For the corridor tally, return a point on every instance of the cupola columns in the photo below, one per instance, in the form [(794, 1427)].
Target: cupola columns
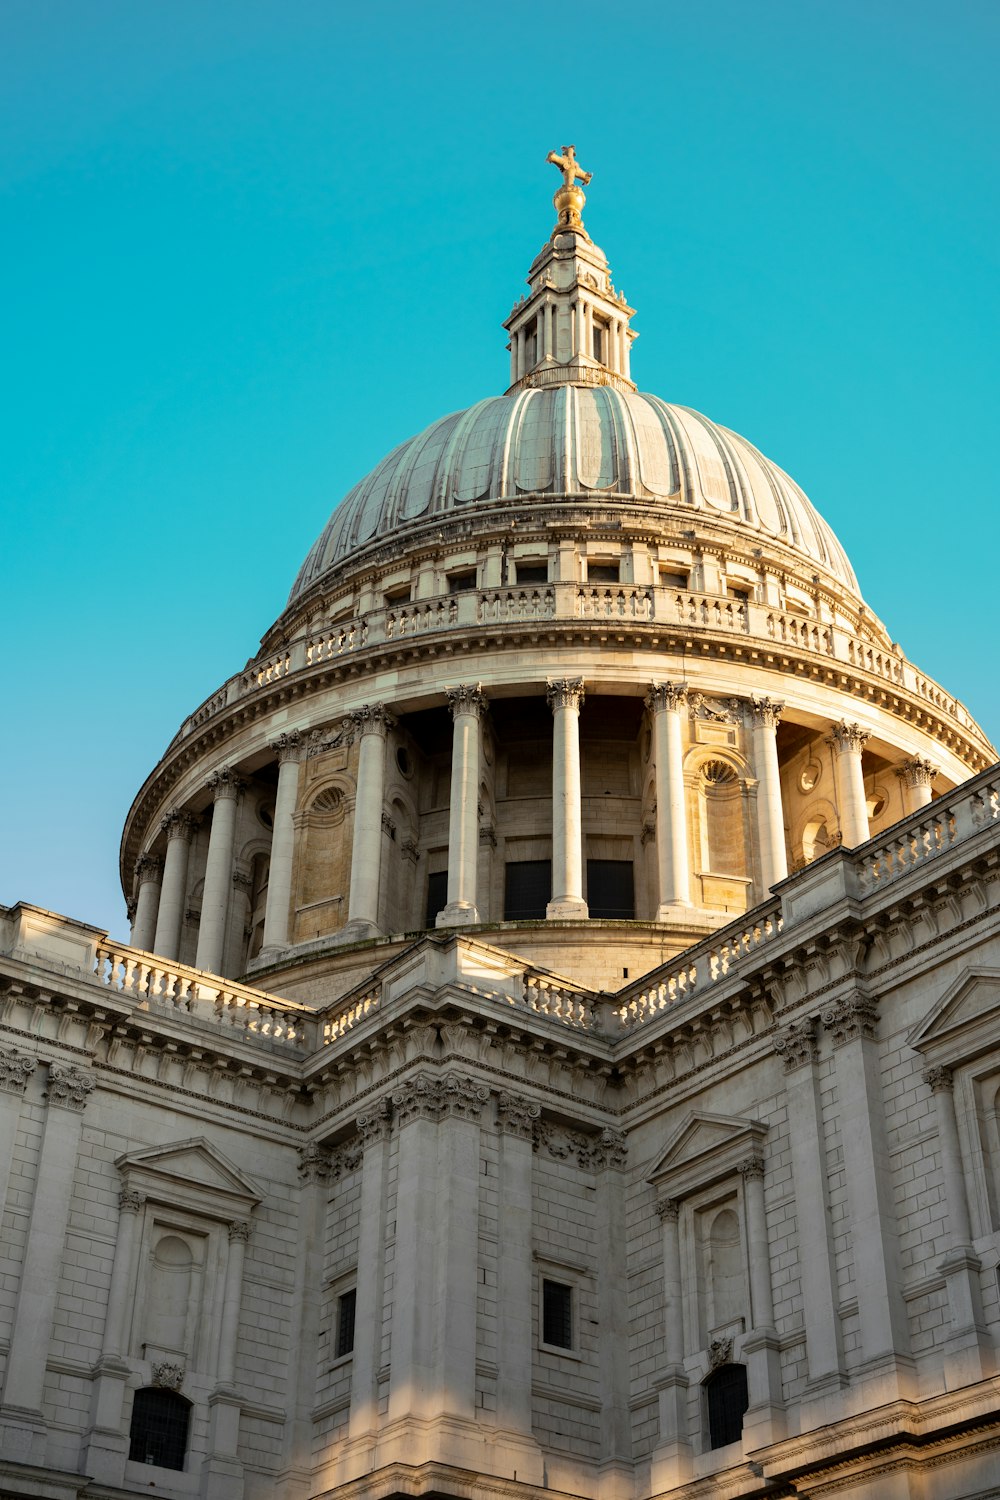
[(179, 828), (917, 777), (372, 723), (149, 874), (565, 698), (770, 818), (848, 741), (288, 748), (225, 786), (665, 702), (467, 706)]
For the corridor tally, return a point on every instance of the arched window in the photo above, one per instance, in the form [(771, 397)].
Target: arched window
[(728, 1398), (159, 1431)]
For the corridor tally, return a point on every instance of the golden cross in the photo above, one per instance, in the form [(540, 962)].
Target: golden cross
[(569, 167)]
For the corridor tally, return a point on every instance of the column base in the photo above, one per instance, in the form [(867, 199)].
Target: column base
[(23, 1436), (569, 908), (457, 914), (357, 931)]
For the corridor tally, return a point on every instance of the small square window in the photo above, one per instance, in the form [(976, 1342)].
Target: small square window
[(346, 1306), (671, 580), (557, 1314), (398, 595), (599, 572), (532, 572), (458, 583)]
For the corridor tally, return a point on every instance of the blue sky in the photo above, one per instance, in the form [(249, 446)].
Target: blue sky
[(248, 247)]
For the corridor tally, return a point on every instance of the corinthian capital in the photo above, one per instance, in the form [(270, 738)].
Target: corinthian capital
[(666, 695), (288, 746), (68, 1087), (370, 718), (848, 737), (851, 1017), (148, 867), (566, 692), (516, 1116), (178, 825), (467, 698), (765, 713), (796, 1044), (916, 772), (15, 1069), (224, 784)]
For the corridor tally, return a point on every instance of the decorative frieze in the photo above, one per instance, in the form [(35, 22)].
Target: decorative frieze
[(168, 1375), (666, 695), (15, 1069), (717, 711), (850, 1017), (314, 1163), (939, 1080), (566, 692), (467, 698), (796, 1045), (517, 1116), (70, 1088), (609, 1149), (427, 1098)]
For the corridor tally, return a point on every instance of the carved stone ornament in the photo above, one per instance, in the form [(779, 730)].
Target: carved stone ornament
[(239, 1229), (939, 1080), (224, 784), (648, 834), (765, 713), (488, 836), (668, 1210), (130, 1200), (848, 737), (388, 826), (467, 698), (68, 1087), (243, 882), (720, 1352), (609, 1149), (373, 1124), (427, 1098), (167, 1375), (408, 849), (664, 695), (370, 718), (719, 712), (591, 1152), (850, 1017), (796, 1043), (15, 1069), (566, 692), (148, 867), (314, 1163), (516, 1116), (751, 1168), (463, 1096), (321, 740), (916, 772), (177, 824), (288, 746)]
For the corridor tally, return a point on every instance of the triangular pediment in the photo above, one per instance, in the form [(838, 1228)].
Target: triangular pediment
[(188, 1170), (965, 1020), (704, 1147)]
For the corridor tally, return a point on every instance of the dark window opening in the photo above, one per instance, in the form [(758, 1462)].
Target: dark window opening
[(346, 1305), (159, 1431), (437, 895), (399, 595), (527, 886), (728, 1399), (601, 332), (532, 573), (603, 572), (673, 580), (611, 889), (557, 1314), (459, 582)]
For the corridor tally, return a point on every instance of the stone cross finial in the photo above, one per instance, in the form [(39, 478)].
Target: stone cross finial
[(569, 167)]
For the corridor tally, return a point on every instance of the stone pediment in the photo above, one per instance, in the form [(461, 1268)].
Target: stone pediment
[(193, 1174), (705, 1148), (965, 1021)]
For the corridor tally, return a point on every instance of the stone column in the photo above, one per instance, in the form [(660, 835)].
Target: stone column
[(671, 1464), (885, 1337), (764, 1419), (130, 1204), (825, 1371), (917, 777), (969, 1355), (665, 702), (849, 740), (372, 723), (516, 1118), (178, 827), (467, 706), (149, 874), (373, 1130), (22, 1425), (288, 748), (106, 1447), (225, 786), (222, 1471), (565, 698), (770, 818), (315, 1169)]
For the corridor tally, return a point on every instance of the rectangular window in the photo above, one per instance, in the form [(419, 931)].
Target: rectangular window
[(459, 582), (601, 343), (598, 572), (557, 1314), (670, 580), (398, 595), (527, 887), (437, 895), (346, 1305), (532, 573), (611, 890)]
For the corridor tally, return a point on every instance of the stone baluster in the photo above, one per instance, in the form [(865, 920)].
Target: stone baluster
[(770, 817), (225, 787), (179, 828), (372, 723), (516, 1119), (849, 741), (149, 875), (665, 702), (917, 777), (277, 911), (565, 698), (467, 706)]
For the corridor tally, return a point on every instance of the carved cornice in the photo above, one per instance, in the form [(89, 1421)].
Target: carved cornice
[(796, 1045), (765, 713), (851, 1017), (939, 1080), (370, 718), (517, 1116), (288, 746), (565, 692), (148, 867), (130, 1200), (224, 784), (467, 698), (848, 738), (178, 825), (662, 696), (15, 1069), (916, 773), (70, 1088)]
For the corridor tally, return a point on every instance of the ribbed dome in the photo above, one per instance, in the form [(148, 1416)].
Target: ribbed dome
[(595, 443)]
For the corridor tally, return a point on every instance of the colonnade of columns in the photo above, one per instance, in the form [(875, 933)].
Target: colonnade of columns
[(162, 883)]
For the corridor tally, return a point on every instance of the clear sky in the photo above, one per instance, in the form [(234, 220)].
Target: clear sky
[(248, 246)]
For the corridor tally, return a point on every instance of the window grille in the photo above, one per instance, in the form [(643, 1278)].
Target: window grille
[(527, 885), (611, 889), (557, 1314), (159, 1431), (346, 1305), (728, 1399)]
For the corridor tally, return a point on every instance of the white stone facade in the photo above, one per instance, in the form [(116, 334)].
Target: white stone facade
[(559, 1050)]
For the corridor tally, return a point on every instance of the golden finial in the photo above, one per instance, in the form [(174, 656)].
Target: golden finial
[(569, 199)]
